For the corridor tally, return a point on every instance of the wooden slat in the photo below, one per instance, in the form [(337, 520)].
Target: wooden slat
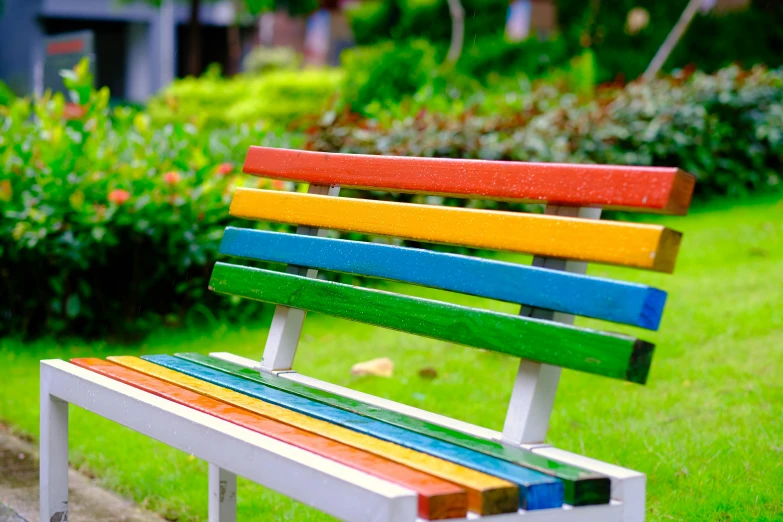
[(577, 294), (611, 355), (643, 246), (581, 487), (438, 499), (487, 494), (536, 490), (651, 189)]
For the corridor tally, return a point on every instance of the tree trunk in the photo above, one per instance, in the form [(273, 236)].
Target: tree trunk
[(234, 43), (457, 30), (194, 42), (672, 40)]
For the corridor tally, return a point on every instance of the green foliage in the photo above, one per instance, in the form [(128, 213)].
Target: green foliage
[(278, 97), (750, 37), (725, 128), (266, 59), (712, 42), (6, 94), (386, 73), (389, 80), (493, 55), (110, 222), (370, 20), (377, 20)]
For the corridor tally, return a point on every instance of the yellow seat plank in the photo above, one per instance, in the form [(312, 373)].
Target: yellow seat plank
[(650, 247)]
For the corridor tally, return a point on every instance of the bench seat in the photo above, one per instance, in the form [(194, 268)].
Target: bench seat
[(199, 425)]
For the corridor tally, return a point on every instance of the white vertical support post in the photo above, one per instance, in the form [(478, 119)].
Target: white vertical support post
[(222, 495), (53, 456), (535, 386), (163, 46), (287, 322), (138, 82)]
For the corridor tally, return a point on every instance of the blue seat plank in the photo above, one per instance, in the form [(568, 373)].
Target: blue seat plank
[(616, 301), (536, 490)]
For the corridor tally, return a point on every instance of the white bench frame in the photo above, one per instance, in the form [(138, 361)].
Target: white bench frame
[(231, 450)]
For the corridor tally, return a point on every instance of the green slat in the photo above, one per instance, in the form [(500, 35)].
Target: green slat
[(611, 355), (581, 487)]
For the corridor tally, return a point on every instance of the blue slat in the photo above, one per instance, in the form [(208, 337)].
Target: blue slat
[(617, 301), (536, 490)]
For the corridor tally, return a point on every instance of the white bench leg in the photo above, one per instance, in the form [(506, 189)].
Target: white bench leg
[(54, 457), (222, 495)]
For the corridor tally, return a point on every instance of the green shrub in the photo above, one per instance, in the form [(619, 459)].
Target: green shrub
[(6, 94), (386, 73), (266, 59), (710, 43), (371, 20), (374, 21), (277, 97), (111, 224), (494, 55)]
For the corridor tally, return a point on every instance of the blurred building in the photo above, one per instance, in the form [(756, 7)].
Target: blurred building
[(137, 48), (320, 37), (530, 18)]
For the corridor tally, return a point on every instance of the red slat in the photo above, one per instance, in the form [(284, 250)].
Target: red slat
[(651, 189)]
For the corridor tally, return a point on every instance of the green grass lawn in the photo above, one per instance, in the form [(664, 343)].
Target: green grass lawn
[(707, 429)]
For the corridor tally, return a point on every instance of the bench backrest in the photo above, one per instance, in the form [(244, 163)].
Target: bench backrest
[(551, 290)]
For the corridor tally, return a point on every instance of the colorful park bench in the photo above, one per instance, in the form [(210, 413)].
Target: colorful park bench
[(363, 458)]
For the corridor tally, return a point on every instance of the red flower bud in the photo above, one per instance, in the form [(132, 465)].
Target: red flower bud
[(73, 111), (172, 178), (225, 169), (119, 196)]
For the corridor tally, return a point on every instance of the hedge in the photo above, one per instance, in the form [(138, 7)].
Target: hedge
[(110, 225)]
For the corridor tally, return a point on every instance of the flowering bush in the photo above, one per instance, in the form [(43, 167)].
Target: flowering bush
[(108, 222)]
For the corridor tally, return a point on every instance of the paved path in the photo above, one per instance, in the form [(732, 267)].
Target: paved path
[(19, 490), (9, 515)]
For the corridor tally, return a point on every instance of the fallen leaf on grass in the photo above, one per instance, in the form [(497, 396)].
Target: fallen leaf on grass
[(382, 367), (428, 373)]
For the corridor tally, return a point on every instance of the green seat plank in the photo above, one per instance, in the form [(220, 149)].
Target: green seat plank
[(608, 354), (581, 487)]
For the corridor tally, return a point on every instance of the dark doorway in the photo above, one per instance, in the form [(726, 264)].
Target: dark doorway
[(214, 48)]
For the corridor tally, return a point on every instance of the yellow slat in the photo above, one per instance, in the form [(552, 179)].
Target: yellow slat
[(486, 494), (651, 247)]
